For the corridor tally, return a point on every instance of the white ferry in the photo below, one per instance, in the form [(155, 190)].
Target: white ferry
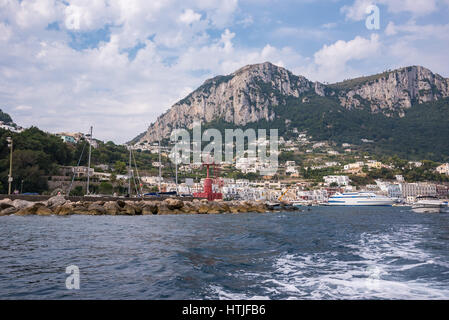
[(359, 199)]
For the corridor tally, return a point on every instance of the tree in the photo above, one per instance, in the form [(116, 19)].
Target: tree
[(105, 188), (120, 167), (77, 191)]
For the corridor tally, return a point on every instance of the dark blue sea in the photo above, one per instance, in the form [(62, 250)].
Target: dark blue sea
[(324, 253)]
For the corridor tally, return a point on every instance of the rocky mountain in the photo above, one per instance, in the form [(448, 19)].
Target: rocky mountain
[(261, 92), (393, 92), (5, 118)]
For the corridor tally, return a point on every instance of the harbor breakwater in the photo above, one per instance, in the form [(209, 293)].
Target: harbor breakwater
[(60, 205)]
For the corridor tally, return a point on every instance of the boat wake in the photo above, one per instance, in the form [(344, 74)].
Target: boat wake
[(377, 266)]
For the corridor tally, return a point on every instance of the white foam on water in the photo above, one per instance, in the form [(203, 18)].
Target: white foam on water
[(222, 294), (377, 275)]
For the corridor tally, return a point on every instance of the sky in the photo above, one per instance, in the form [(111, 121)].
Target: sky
[(119, 64)]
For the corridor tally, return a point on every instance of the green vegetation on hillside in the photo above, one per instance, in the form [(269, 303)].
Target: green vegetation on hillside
[(353, 83), (422, 134), (37, 155)]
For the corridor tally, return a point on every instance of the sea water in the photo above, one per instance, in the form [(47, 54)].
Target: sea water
[(320, 253)]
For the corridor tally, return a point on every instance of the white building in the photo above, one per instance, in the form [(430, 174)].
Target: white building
[(340, 180), (82, 171), (152, 180), (319, 145), (443, 169), (415, 164), (10, 128), (291, 170), (356, 165), (157, 164), (418, 189)]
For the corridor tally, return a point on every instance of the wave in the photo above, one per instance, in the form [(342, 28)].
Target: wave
[(377, 266)]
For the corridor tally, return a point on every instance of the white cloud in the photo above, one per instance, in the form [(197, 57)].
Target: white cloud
[(330, 25), (414, 31), (189, 16), (414, 44), (66, 89), (331, 61), (246, 22), (357, 11), (182, 43), (299, 33), (23, 108), (5, 32)]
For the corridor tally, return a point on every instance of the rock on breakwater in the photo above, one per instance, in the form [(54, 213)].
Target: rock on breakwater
[(59, 205)]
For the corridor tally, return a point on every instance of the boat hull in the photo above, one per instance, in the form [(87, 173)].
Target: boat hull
[(430, 209), (360, 200), (426, 209), (365, 204)]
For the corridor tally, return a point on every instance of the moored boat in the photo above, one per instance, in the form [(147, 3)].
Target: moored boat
[(359, 199), (430, 204)]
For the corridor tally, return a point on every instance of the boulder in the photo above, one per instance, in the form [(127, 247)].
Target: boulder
[(56, 201), (65, 209), (261, 208), (96, 209), (21, 204), (43, 211), (150, 208), (173, 204), (33, 209), (112, 208), (189, 208), (234, 208), (8, 211), (255, 206), (138, 207), (121, 203), (128, 210), (81, 210), (163, 209), (242, 207), (203, 208), (5, 205), (5, 202), (214, 208), (224, 207)]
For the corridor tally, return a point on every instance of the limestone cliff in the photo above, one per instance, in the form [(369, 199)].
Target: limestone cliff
[(252, 93), (393, 92)]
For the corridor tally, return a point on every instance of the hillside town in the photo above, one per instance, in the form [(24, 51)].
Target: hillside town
[(301, 181)]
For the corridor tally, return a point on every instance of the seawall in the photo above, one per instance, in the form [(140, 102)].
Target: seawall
[(60, 205)]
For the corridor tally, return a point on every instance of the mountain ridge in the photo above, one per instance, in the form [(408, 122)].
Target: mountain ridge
[(253, 93)]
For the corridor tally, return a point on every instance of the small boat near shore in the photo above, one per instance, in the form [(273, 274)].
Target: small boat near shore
[(430, 204), (301, 203), (359, 199)]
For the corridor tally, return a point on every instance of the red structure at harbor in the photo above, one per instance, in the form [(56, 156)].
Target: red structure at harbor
[(208, 192)]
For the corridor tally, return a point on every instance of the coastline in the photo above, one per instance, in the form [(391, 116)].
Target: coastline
[(62, 206)]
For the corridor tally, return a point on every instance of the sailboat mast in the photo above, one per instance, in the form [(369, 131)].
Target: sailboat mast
[(160, 166), (176, 166), (88, 164), (129, 173)]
